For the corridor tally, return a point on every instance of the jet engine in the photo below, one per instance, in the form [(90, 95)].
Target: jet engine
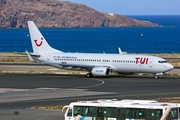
[(101, 71)]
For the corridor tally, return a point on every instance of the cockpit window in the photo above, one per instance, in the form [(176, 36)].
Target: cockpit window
[(162, 61)]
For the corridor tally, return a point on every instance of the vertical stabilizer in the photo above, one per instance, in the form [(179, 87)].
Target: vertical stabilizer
[(39, 43)]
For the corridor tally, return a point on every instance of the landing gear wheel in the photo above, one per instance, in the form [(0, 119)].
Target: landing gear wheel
[(157, 77), (89, 75)]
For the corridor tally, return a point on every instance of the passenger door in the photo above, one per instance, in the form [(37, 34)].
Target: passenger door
[(150, 63)]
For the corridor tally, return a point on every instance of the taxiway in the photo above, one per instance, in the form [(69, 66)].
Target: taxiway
[(19, 92)]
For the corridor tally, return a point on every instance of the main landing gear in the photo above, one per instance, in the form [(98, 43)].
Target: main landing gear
[(89, 75), (157, 77)]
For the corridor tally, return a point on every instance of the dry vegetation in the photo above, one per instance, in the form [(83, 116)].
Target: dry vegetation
[(47, 107), (13, 57), (172, 58), (173, 99), (165, 55)]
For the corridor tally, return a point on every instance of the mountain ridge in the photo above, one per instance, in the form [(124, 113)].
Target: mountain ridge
[(60, 14)]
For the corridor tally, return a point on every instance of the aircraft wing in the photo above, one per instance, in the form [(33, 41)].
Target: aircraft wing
[(86, 67)]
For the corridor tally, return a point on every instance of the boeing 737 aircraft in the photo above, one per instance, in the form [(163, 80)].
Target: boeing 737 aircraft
[(94, 64)]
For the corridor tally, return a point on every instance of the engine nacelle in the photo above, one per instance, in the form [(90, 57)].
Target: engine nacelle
[(101, 71)]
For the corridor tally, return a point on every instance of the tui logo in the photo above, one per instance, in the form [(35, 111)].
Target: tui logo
[(38, 44), (142, 60)]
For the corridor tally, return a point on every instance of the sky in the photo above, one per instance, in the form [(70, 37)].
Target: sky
[(134, 7)]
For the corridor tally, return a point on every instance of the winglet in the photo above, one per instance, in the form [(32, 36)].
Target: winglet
[(29, 56), (120, 51)]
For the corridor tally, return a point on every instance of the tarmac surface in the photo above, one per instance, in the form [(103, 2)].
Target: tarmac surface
[(28, 114), (19, 92)]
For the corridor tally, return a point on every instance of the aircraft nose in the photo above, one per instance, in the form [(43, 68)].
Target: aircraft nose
[(169, 66)]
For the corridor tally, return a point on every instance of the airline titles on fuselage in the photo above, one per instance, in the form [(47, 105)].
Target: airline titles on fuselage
[(142, 60), (64, 57)]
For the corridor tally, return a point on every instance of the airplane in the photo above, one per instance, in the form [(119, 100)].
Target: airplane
[(95, 64)]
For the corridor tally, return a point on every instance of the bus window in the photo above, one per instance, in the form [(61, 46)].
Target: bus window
[(129, 113), (158, 114), (78, 110), (179, 113), (111, 112), (121, 114), (153, 114), (100, 113), (173, 114), (84, 110), (141, 113), (89, 111), (105, 113), (135, 113)]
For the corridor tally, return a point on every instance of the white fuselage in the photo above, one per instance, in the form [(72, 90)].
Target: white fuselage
[(123, 63)]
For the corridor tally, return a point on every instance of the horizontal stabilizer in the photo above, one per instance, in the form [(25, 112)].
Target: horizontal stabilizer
[(30, 57), (34, 55)]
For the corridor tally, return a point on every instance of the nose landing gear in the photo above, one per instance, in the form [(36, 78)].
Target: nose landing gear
[(158, 74)]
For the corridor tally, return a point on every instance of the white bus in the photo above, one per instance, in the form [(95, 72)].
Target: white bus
[(122, 110)]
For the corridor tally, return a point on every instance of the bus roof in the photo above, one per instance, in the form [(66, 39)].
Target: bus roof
[(126, 103)]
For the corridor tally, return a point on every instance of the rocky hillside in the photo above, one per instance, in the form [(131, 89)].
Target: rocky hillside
[(55, 13)]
